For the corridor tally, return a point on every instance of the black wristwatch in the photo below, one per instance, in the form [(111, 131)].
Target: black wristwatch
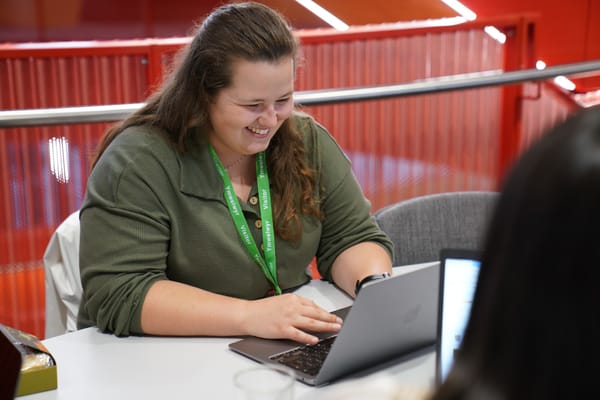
[(369, 278)]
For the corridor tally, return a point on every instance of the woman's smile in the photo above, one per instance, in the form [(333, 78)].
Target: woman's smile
[(258, 131)]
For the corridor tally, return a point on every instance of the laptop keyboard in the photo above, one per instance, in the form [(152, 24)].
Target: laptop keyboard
[(307, 359)]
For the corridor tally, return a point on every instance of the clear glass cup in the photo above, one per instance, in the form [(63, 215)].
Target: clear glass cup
[(265, 382)]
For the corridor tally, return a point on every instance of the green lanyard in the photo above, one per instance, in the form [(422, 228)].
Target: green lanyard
[(268, 263)]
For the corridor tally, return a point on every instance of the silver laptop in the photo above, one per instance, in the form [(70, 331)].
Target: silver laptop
[(388, 319), (459, 271)]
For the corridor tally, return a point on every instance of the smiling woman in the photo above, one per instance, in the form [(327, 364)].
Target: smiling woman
[(217, 194), (246, 115)]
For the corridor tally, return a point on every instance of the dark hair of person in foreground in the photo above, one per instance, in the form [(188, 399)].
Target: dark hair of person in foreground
[(534, 326)]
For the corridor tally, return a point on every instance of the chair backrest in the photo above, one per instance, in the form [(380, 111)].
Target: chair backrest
[(420, 227), (63, 282)]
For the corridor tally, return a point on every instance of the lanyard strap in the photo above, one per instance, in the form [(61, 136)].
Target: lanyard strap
[(268, 264)]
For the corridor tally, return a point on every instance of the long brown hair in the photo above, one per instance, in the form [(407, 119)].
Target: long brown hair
[(248, 31)]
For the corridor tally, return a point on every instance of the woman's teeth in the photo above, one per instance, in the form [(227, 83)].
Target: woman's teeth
[(259, 131)]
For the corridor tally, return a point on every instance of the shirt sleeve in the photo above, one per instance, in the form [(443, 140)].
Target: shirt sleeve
[(347, 218), (124, 234)]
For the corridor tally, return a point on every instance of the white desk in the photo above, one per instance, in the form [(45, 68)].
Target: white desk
[(93, 365)]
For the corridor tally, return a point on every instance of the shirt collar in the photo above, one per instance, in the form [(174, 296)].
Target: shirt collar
[(199, 176)]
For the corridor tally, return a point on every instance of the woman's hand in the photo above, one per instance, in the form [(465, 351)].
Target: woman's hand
[(288, 316)]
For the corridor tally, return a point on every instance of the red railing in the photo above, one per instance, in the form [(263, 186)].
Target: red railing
[(400, 148)]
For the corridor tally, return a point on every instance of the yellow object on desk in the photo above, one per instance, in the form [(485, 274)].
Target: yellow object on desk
[(38, 367)]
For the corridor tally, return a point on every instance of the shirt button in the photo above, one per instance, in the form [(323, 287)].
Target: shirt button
[(253, 200), (258, 223)]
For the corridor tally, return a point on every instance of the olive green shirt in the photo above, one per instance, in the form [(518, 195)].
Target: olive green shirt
[(151, 213)]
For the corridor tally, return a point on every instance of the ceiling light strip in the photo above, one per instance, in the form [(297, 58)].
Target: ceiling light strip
[(495, 34), (460, 8), (324, 15)]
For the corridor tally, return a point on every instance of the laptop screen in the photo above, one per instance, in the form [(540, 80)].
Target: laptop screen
[(459, 270)]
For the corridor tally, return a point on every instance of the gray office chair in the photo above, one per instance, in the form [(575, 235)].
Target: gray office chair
[(420, 227)]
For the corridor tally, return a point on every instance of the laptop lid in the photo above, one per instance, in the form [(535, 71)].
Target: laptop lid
[(459, 271), (389, 318)]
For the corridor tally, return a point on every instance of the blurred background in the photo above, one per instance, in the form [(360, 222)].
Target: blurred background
[(565, 31)]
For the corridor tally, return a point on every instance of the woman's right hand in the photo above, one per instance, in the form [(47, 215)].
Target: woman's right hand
[(288, 316)]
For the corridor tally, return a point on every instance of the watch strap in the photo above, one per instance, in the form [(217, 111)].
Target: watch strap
[(369, 278)]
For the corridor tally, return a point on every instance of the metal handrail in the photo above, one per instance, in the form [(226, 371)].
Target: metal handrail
[(107, 113)]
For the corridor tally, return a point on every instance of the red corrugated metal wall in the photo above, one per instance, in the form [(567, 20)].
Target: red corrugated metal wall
[(400, 147), (41, 183), (421, 144), (544, 104)]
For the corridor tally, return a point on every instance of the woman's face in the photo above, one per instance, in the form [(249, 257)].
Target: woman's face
[(247, 114)]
